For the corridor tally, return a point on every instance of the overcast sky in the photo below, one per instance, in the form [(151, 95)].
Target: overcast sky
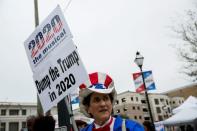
[(107, 33)]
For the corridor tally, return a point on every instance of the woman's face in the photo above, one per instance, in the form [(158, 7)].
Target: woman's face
[(100, 107)]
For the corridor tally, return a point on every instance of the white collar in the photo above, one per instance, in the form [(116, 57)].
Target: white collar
[(98, 126)]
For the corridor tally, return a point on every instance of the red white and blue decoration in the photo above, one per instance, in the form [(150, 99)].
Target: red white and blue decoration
[(148, 77), (75, 100), (98, 82)]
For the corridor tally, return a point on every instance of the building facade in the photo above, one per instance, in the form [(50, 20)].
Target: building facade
[(134, 106), (128, 104), (176, 101), (160, 106), (13, 115)]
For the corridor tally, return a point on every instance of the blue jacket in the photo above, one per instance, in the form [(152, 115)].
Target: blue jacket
[(130, 125)]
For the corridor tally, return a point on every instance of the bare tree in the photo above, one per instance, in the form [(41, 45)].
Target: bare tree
[(187, 49)]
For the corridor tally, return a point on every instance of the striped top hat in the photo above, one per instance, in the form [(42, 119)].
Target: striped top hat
[(97, 82)]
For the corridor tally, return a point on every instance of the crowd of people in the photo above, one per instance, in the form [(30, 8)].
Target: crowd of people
[(97, 97)]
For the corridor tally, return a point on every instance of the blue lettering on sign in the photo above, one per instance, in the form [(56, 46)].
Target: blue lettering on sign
[(44, 36)]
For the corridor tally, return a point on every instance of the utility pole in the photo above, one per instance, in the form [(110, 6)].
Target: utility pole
[(36, 13), (39, 107), (65, 115)]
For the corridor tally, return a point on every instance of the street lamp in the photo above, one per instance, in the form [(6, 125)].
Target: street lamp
[(139, 61)]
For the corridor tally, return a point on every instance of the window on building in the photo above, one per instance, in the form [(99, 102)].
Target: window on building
[(156, 101), (136, 98), (138, 108), (117, 102), (145, 110), (146, 118), (13, 112), (167, 102), (23, 124), (162, 100), (160, 117), (140, 117), (169, 110), (117, 111), (131, 98), (135, 117), (3, 112), (143, 101), (3, 126), (13, 126), (166, 115), (123, 100), (133, 107), (173, 102), (24, 112), (158, 109), (125, 109)]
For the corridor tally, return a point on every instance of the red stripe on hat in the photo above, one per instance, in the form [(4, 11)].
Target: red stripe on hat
[(94, 78), (82, 86), (108, 80)]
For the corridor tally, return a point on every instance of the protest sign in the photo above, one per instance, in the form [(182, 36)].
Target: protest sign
[(54, 60), (59, 75), (52, 31)]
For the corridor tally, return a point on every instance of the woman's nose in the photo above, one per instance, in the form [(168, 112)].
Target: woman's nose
[(102, 102)]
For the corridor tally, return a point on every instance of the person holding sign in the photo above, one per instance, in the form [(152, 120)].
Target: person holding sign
[(97, 97)]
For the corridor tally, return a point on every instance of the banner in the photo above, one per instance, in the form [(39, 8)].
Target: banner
[(138, 81)]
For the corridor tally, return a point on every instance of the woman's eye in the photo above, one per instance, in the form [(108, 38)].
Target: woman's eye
[(97, 99), (106, 98)]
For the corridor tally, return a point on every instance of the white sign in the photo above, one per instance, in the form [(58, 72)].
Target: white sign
[(46, 37), (55, 62), (59, 75)]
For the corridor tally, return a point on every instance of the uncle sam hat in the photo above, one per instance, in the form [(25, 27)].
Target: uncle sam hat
[(99, 83)]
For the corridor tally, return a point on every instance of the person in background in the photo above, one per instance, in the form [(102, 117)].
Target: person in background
[(44, 123), (80, 124), (97, 97), (182, 127), (195, 124), (148, 126), (189, 128), (30, 120)]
